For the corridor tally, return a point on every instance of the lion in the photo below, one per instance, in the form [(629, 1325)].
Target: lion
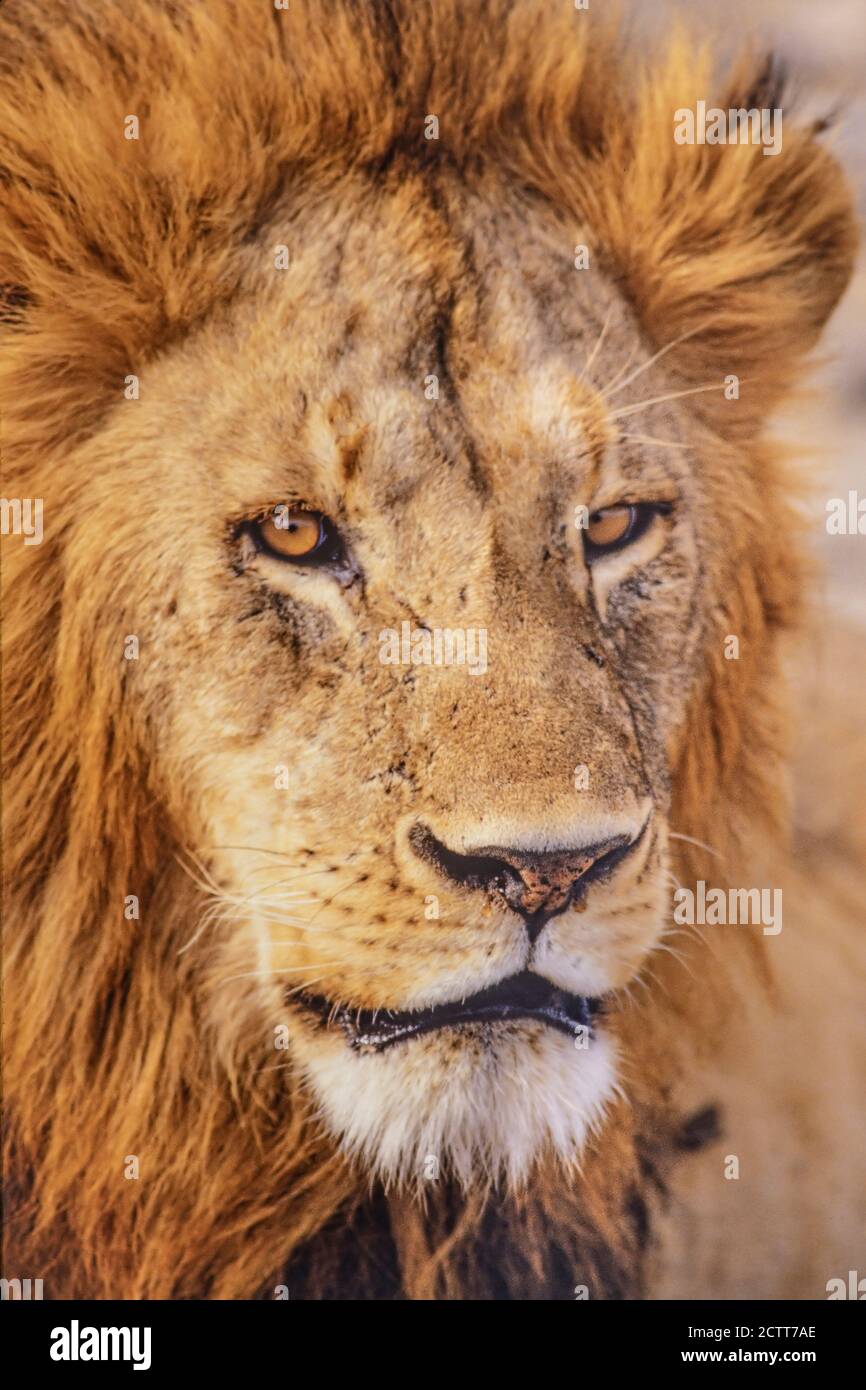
[(410, 636)]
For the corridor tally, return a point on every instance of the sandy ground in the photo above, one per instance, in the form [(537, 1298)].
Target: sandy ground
[(824, 46)]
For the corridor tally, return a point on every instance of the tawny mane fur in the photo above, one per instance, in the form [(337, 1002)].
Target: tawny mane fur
[(112, 252)]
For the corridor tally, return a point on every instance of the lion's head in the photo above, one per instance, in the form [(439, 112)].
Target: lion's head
[(392, 542)]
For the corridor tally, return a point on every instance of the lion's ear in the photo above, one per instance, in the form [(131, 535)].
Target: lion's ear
[(740, 250)]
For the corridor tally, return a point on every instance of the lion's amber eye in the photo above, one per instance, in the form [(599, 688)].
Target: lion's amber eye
[(298, 536), (612, 528), (294, 534)]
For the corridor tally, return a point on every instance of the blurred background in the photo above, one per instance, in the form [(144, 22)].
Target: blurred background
[(823, 43)]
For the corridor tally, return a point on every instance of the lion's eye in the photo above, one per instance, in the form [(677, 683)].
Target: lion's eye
[(614, 527), (299, 536), (294, 534)]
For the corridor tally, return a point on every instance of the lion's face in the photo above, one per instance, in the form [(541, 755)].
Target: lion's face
[(397, 835)]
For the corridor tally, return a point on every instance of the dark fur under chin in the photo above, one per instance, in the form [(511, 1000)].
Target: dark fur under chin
[(555, 1243)]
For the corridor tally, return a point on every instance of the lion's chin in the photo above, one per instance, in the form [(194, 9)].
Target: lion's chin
[(477, 1103)]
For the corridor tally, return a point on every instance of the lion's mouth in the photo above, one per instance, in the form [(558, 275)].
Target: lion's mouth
[(520, 996)]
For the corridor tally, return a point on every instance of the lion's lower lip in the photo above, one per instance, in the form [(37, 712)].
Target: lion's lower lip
[(520, 996)]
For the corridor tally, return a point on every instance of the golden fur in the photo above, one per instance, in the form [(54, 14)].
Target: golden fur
[(154, 257)]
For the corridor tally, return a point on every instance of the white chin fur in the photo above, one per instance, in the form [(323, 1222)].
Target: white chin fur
[(478, 1105)]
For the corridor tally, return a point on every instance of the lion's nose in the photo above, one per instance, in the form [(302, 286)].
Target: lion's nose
[(536, 883)]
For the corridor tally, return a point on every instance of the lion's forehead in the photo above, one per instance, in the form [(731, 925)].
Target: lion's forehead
[(399, 341)]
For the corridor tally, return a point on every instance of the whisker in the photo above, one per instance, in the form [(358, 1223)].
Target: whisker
[(259, 893), (280, 919), (651, 439), (327, 901), (253, 849), (284, 970), (655, 357), (212, 888), (195, 936), (266, 899), (592, 356), (644, 984), (693, 931), (278, 854), (659, 400), (214, 912), (669, 950), (675, 835), (611, 385), (293, 878), (299, 989)]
